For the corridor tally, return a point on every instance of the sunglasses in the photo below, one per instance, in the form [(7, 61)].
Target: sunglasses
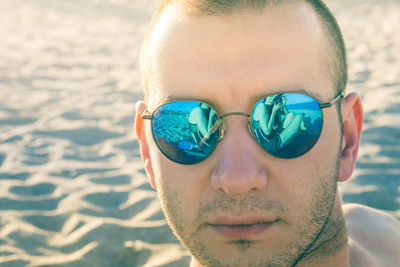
[(285, 125)]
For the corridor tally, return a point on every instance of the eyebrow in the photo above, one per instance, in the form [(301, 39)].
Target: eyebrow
[(314, 95), (253, 99), (174, 97)]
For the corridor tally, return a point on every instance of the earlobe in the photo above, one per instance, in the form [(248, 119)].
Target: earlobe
[(353, 118), (143, 144)]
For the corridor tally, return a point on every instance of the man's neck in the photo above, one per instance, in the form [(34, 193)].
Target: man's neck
[(340, 259), (332, 248)]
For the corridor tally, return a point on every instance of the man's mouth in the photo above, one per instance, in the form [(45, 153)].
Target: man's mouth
[(242, 228)]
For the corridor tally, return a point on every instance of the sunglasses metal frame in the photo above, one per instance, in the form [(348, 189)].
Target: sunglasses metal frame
[(221, 132)]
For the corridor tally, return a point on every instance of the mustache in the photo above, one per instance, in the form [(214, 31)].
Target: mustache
[(249, 204)]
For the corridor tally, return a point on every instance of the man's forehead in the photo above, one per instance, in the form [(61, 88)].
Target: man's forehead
[(175, 26), (192, 54)]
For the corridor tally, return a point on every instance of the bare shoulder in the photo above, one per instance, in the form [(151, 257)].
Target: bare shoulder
[(374, 236)]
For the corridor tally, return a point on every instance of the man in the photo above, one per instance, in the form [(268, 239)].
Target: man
[(242, 204)]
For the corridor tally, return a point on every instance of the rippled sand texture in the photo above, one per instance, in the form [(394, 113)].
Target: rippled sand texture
[(72, 188), (372, 34)]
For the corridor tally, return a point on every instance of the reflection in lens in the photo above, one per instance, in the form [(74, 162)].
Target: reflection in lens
[(287, 125), (186, 131)]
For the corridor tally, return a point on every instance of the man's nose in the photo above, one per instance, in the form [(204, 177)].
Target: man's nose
[(238, 170)]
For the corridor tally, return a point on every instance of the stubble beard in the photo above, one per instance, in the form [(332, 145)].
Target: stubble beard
[(313, 232)]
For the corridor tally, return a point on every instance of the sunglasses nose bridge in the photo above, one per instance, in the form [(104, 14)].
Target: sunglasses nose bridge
[(222, 127)]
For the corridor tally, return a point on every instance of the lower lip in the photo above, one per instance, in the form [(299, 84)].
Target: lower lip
[(242, 231)]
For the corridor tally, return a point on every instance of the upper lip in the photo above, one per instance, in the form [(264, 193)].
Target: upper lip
[(230, 220)]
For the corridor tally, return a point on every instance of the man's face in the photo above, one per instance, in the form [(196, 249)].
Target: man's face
[(243, 206)]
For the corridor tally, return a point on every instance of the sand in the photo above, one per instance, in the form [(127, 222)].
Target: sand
[(73, 191)]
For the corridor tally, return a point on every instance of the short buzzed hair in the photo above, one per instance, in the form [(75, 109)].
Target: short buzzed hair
[(337, 58)]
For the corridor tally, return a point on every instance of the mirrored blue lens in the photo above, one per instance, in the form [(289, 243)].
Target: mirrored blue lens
[(186, 132), (287, 125)]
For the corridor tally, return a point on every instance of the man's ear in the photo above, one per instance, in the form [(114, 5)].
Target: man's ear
[(353, 119), (143, 144)]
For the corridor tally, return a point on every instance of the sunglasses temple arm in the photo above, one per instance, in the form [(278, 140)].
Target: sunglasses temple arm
[(329, 104), (147, 116)]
